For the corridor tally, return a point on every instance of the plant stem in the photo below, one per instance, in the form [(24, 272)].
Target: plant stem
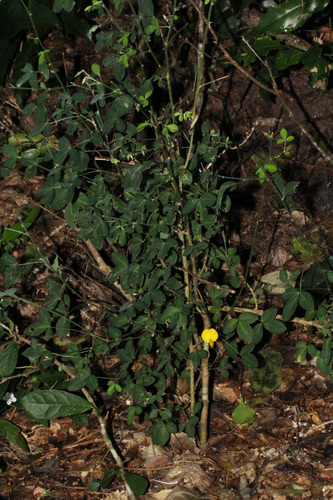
[(105, 269), (198, 95), (203, 426)]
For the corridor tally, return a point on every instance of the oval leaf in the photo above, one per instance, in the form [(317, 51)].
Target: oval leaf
[(306, 301), (245, 332), (290, 307), (289, 16), (13, 434), (50, 404), (138, 484), (8, 360), (275, 326), (243, 414)]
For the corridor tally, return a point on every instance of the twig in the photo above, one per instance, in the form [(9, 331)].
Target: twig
[(259, 312), (209, 283), (105, 269)]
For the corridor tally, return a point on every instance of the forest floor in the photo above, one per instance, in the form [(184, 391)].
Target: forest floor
[(287, 451)]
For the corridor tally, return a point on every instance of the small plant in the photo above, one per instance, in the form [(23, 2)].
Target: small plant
[(269, 164), (284, 140)]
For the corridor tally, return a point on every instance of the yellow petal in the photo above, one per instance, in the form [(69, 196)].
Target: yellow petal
[(209, 335), (214, 335), (205, 335)]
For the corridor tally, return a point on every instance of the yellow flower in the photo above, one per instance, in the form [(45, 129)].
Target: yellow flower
[(209, 335)]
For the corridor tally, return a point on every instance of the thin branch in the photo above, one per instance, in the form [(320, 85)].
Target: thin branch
[(259, 312), (105, 269), (209, 283)]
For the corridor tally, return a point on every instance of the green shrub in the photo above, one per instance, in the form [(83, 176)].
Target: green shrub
[(157, 209)]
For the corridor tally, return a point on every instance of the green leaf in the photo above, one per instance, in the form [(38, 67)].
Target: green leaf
[(243, 414), (13, 232), (271, 324), (133, 177), (185, 177), (190, 430), (312, 351), (63, 327), (265, 44), (289, 15), (288, 57), (306, 301), (8, 359), (146, 8), (95, 68), (190, 206), (163, 435), (151, 25), (275, 326), (32, 216), (249, 360), (83, 379), (248, 318), (314, 277), (208, 199), (131, 415), (283, 276), (301, 351), (64, 148), (172, 427), (315, 63), (67, 5), (71, 213), (230, 326), (257, 333), (268, 315), (291, 298), (138, 484), (43, 323), (326, 351), (13, 434), (290, 188), (108, 477), (245, 332), (120, 260), (34, 352), (3, 388), (172, 128), (323, 367), (157, 297), (267, 378), (119, 71), (79, 96), (50, 404), (94, 485), (10, 150)]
